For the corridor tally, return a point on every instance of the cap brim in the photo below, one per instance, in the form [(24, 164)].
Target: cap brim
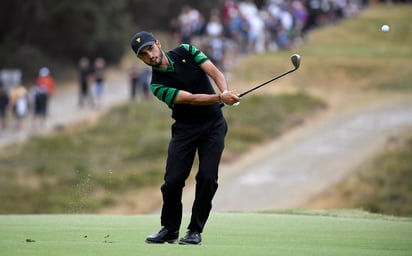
[(144, 45)]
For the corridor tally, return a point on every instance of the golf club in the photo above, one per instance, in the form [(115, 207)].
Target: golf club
[(295, 58)]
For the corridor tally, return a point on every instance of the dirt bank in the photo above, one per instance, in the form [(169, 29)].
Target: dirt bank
[(288, 172)]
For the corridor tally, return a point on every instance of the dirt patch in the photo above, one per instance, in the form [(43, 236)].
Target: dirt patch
[(305, 162)]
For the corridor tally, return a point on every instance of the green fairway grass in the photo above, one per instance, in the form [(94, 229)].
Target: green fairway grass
[(288, 233)]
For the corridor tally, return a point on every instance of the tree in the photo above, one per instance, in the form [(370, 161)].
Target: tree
[(63, 30)]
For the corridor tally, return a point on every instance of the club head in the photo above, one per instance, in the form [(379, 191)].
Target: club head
[(295, 60)]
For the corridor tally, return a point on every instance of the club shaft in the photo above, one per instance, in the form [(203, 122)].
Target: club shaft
[(265, 83), (296, 62)]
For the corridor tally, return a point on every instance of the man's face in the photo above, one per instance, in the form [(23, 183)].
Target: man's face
[(152, 55)]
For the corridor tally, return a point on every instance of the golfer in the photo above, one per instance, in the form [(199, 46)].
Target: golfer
[(180, 78)]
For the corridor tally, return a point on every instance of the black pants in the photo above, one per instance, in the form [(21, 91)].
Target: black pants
[(208, 140)]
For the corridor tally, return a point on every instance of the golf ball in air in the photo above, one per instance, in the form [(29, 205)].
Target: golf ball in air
[(385, 28)]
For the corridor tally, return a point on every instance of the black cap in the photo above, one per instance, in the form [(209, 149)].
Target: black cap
[(141, 40)]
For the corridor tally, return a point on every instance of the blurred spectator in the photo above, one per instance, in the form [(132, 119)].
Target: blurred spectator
[(38, 99), (185, 25), (191, 22), (141, 83), (20, 104), (84, 71), (46, 82), (229, 11), (4, 106), (214, 27), (174, 30), (10, 78), (301, 17), (133, 78), (99, 79), (145, 77), (214, 49), (275, 25)]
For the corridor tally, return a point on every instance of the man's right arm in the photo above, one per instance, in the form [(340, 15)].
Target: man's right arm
[(166, 94)]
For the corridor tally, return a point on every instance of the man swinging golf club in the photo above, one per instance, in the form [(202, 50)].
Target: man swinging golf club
[(180, 78)]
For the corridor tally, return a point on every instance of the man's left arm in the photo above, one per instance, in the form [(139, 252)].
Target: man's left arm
[(227, 97), (216, 75)]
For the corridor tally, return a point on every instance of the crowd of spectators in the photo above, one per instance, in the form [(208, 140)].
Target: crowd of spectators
[(21, 102), (236, 28), (240, 27)]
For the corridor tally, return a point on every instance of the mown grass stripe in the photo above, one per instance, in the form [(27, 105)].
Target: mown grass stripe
[(226, 234)]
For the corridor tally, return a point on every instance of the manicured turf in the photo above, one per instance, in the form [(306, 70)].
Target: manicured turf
[(226, 234)]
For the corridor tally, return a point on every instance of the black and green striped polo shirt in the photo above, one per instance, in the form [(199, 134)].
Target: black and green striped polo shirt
[(184, 74)]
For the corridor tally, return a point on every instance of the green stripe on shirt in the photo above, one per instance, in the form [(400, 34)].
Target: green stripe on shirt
[(198, 55), (166, 94)]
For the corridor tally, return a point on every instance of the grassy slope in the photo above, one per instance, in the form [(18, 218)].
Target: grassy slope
[(90, 167), (85, 169), (227, 233), (359, 55), (370, 60)]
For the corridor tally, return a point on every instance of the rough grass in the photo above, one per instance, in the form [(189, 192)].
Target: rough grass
[(89, 168), (287, 234)]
